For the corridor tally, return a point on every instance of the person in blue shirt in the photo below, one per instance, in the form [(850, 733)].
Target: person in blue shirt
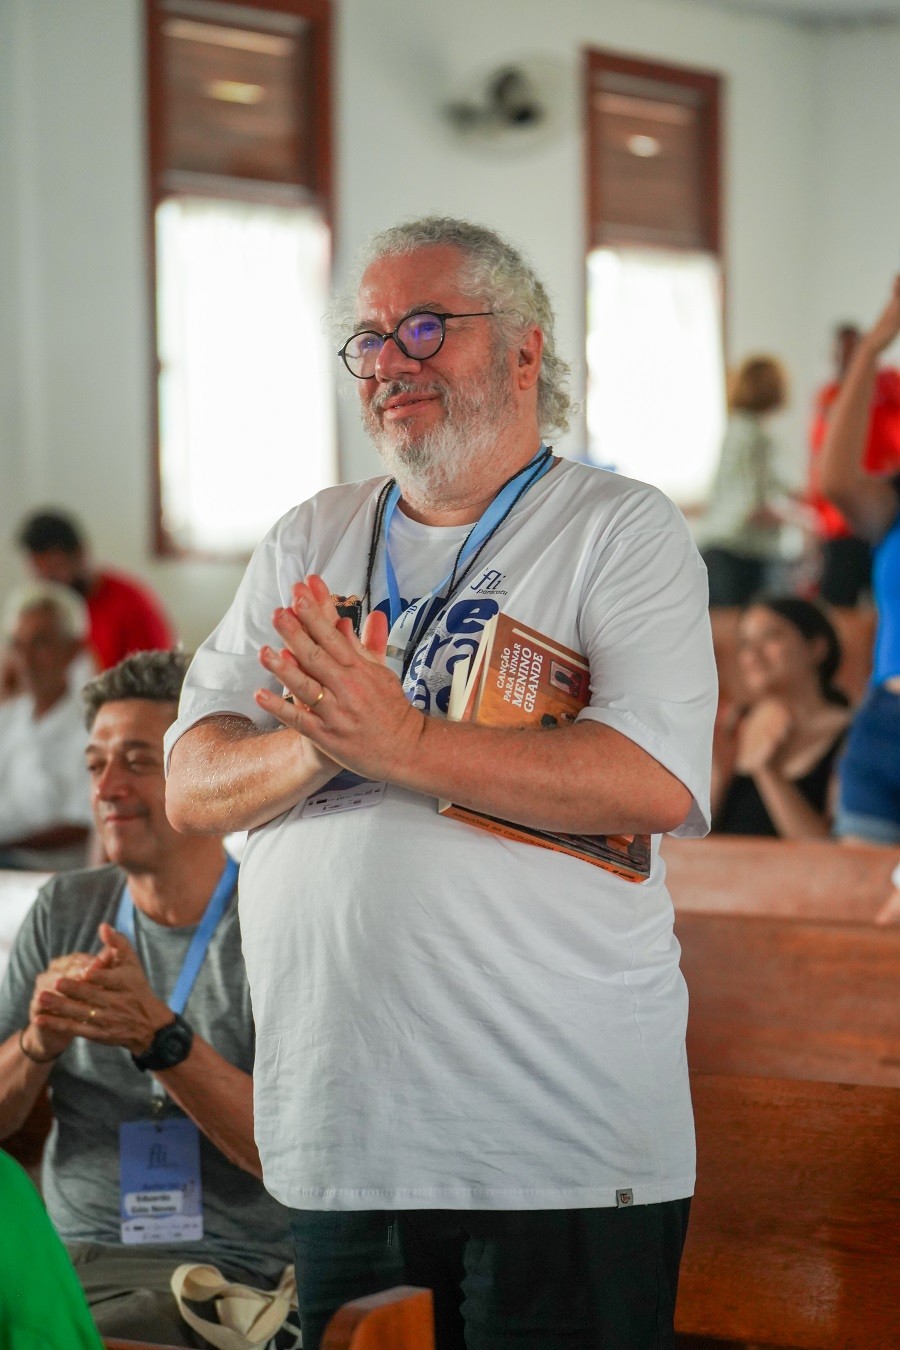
[(869, 807)]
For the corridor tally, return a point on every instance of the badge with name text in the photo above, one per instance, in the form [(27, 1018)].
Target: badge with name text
[(159, 1165), (345, 792)]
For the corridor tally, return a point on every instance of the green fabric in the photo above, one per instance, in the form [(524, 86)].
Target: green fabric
[(42, 1305)]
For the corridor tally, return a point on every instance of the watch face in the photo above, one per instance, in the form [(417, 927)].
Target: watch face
[(173, 1043)]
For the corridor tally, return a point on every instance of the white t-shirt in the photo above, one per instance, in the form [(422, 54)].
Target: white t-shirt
[(445, 1018), (43, 780)]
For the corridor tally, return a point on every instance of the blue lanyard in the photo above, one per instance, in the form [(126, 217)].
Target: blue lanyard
[(536, 467), (196, 952)]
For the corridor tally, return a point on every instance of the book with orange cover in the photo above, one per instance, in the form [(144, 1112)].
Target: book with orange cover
[(519, 677)]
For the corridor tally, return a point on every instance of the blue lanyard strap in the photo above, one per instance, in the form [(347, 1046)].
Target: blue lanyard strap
[(196, 952), (409, 627), (482, 529)]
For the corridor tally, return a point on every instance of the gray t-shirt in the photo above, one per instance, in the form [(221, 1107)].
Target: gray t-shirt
[(95, 1087)]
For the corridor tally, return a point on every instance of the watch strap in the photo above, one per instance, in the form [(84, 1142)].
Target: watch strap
[(165, 1050)]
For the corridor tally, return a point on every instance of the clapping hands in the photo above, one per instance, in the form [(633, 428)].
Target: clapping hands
[(105, 998)]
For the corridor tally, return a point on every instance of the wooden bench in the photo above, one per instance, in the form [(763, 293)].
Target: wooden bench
[(792, 998), (117, 1344), (810, 879), (788, 976), (794, 1239), (794, 1048), (398, 1319)]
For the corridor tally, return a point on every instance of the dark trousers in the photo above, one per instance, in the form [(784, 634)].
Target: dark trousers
[(846, 571), (733, 578), (581, 1279)]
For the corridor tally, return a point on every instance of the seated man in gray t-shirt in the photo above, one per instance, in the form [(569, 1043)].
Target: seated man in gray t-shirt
[(126, 992)]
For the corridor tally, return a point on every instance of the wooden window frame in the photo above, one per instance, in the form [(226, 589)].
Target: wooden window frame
[(162, 185), (712, 87), (707, 84)]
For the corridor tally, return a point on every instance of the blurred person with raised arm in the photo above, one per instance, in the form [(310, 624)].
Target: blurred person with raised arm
[(869, 806)]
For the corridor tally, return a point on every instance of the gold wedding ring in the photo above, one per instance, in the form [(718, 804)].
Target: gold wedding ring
[(319, 697), (92, 1014)]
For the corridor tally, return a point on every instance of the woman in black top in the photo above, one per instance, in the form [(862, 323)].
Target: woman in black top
[(773, 763)]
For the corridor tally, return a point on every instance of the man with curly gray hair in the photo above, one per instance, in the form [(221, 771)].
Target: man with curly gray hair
[(497, 272), (470, 1070)]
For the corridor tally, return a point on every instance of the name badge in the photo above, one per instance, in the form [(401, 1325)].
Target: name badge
[(345, 792), (160, 1193)]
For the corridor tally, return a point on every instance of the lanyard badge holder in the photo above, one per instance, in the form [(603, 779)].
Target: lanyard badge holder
[(161, 1198)]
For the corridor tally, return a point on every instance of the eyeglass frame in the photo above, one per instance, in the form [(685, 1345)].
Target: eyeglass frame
[(415, 313)]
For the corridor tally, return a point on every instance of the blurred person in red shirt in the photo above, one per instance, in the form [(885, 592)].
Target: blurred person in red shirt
[(125, 615), (847, 559)]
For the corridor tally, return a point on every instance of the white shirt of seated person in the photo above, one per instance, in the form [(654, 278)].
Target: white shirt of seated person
[(42, 735)]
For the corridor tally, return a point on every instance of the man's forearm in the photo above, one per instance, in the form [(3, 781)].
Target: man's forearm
[(225, 774), (219, 1099), (585, 779), (21, 1081)]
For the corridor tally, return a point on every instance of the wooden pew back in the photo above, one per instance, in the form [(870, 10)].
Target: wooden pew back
[(778, 878), (116, 1343), (794, 1237), (398, 1319), (792, 998), (794, 1046)]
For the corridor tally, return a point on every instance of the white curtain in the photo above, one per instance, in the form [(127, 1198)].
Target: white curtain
[(246, 382), (656, 385)]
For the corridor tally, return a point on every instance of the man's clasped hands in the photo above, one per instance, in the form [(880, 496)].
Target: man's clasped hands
[(104, 998), (344, 698)]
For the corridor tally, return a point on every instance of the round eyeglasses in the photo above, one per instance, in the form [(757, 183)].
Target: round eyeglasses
[(418, 336)]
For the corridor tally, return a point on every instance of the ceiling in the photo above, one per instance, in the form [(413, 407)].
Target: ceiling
[(818, 12)]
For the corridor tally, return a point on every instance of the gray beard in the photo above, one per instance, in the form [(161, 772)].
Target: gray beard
[(431, 468)]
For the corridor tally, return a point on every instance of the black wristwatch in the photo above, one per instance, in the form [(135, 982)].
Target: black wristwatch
[(169, 1047)]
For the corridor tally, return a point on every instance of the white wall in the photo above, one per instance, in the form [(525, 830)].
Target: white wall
[(11, 266), (77, 365), (75, 378), (855, 240), (400, 58)]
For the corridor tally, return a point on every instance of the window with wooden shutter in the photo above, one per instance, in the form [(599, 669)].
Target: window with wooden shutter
[(240, 185), (655, 402)]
